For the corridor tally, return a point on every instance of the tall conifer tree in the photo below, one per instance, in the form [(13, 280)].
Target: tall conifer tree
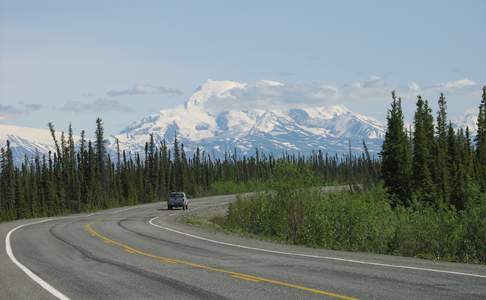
[(441, 174), (481, 141), (422, 142), (396, 159)]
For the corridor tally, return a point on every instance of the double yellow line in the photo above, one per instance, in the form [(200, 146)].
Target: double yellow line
[(237, 275)]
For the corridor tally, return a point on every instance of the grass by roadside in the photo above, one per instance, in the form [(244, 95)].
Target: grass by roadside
[(362, 222), (355, 221), (216, 222)]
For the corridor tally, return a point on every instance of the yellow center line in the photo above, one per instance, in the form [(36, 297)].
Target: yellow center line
[(245, 278), (168, 261), (238, 275)]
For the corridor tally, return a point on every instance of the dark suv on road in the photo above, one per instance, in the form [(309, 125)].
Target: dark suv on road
[(177, 199)]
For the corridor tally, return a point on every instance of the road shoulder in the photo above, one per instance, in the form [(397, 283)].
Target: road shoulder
[(15, 284), (200, 225)]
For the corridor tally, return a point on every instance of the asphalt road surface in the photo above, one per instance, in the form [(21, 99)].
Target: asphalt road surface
[(142, 252)]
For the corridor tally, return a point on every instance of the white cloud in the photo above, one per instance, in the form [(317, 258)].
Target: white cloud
[(144, 89), (453, 86), (373, 82), (458, 84), (270, 83), (326, 92), (267, 94), (10, 111), (7, 110)]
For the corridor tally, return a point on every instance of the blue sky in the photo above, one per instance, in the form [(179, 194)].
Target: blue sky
[(71, 61)]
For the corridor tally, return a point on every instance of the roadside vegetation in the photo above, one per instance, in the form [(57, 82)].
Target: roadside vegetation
[(429, 203), (362, 221)]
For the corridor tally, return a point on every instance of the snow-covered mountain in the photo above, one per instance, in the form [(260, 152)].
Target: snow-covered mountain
[(26, 141), (197, 124), (468, 119)]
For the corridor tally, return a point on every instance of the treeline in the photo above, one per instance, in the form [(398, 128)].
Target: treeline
[(433, 163), (430, 203), (79, 177)]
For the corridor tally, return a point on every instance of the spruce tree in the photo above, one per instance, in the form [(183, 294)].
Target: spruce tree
[(8, 183), (441, 174), (395, 154), (481, 142), (422, 147), (456, 168), (101, 183), (100, 146), (178, 168)]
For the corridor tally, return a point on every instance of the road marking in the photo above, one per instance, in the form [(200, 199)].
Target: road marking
[(90, 230), (32, 275), (168, 261), (53, 291), (245, 278), (151, 222)]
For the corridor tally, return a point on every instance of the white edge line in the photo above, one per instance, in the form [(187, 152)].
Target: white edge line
[(29, 273), (32, 275), (313, 256)]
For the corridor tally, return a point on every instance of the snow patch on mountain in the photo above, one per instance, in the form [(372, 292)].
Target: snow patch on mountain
[(213, 88), (216, 131), (25, 141), (468, 119), (274, 130)]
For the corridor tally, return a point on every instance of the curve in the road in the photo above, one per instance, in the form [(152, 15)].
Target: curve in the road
[(8, 248), (151, 222), (136, 255), (46, 286), (89, 228)]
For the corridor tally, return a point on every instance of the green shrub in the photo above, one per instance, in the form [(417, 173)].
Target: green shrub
[(233, 187), (362, 222)]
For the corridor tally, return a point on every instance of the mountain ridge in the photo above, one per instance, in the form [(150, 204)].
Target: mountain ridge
[(197, 124), (327, 128)]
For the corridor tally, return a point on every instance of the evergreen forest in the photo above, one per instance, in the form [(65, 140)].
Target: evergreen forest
[(424, 194)]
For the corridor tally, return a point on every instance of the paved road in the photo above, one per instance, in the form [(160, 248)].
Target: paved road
[(143, 253)]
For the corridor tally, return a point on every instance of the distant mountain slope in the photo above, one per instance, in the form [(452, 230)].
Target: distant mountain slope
[(295, 130), (469, 119), (327, 128), (26, 141)]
